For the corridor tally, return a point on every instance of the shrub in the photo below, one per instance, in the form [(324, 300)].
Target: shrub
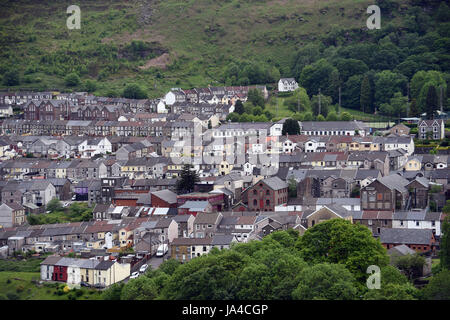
[(12, 296), (20, 288)]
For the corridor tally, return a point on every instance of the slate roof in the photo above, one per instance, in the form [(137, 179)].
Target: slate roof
[(406, 236)]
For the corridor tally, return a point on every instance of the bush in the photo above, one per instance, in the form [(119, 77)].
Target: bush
[(12, 296), (72, 79), (20, 288)]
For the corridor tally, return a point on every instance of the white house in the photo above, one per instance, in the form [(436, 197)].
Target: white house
[(91, 147), (399, 142), (174, 95), (287, 84), (161, 107), (418, 219)]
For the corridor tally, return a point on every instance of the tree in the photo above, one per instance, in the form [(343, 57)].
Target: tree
[(239, 107), (413, 109), (11, 78), (386, 84), (431, 104), (54, 205), (340, 241), (325, 104), (72, 79), (308, 116), (299, 101), (411, 265), (187, 180), (439, 287), (351, 91), (397, 106), (141, 288), (345, 116), (320, 118), (134, 91), (256, 98), (317, 75), (365, 95), (90, 86), (325, 281), (292, 188), (444, 253), (332, 116), (233, 117), (291, 126)]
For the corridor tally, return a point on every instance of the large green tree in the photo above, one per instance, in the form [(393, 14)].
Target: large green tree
[(325, 281), (365, 97), (340, 241), (431, 103), (387, 83), (134, 91), (290, 126), (318, 75), (188, 179)]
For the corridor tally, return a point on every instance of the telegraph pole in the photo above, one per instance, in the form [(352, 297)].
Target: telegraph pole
[(320, 105), (339, 108)]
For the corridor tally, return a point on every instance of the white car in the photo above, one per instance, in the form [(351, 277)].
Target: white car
[(143, 268), (134, 275)]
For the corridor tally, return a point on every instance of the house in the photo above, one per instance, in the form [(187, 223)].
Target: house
[(163, 199), (11, 215), (206, 224), (420, 240), (266, 194), (375, 220), (418, 219), (400, 129), (386, 193), (6, 111), (310, 219), (333, 128), (185, 225), (185, 249), (223, 241), (287, 85), (94, 146), (167, 229), (431, 129)]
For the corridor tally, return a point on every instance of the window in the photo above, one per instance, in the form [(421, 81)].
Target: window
[(417, 223)]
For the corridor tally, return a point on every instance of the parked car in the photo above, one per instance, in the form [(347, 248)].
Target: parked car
[(143, 268), (162, 250), (134, 275)]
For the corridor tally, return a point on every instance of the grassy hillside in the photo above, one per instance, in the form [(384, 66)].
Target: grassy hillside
[(161, 44), (199, 38)]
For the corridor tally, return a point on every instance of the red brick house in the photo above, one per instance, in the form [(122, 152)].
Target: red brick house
[(266, 194), (163, 199)]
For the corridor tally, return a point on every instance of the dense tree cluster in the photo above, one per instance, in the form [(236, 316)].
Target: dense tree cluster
[(328, 262)]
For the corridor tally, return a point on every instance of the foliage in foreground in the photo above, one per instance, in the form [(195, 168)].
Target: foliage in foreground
[(328, 262)]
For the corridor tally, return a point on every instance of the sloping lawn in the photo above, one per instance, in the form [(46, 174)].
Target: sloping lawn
[(25, 286)]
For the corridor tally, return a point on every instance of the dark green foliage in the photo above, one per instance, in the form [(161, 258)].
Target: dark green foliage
[(134, 91), (444, 252), (339, 241), (11, 78), (439, 287), (75, 213), (188, 179), (365, 97), (431, 103), (410, 265), (255, 97), (325, 281), (291, 126), (239, 107), (72, 80)]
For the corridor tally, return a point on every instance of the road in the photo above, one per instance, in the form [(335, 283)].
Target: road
[(153, 263)]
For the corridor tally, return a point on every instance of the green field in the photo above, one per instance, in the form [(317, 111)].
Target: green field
[(25, 286), (200, 37)]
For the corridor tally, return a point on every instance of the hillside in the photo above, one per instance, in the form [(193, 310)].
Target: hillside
[(162, 44)]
